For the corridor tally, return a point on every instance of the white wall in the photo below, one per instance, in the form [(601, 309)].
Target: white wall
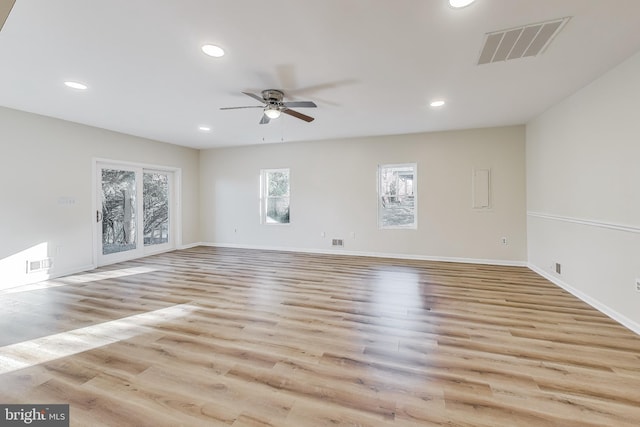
[(44, 159), (333, 190), (583, 193)]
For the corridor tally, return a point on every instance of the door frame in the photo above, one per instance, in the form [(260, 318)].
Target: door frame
[(175, 210)]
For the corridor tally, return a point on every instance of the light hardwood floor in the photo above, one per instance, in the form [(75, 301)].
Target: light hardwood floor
[(210, 337)]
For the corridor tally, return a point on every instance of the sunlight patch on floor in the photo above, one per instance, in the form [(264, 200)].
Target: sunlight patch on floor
[(45, 349)]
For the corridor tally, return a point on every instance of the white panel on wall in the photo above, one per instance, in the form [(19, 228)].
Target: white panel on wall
[(481, 185)]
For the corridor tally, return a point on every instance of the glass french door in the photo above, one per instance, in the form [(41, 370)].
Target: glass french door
[(133, 212)]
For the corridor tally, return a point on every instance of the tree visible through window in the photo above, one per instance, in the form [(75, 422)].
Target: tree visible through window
[(118, 210), (155, 195), (275, 196), (397, 196)]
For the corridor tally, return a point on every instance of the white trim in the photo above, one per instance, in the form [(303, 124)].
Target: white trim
[(509, 263), (623, 320), (177, 207), (135, 164), (191, 245), (589, 222), (94, 211)]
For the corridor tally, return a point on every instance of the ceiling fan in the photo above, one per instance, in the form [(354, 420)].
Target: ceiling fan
[(274, 105)]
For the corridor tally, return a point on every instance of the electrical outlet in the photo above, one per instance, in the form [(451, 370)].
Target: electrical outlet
[(352, 234), (638, 284), (323, 234), (504, 241)]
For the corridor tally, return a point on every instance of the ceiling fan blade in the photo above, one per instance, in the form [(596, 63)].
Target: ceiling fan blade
[(237, 108), (254, 96), (300, 104), (300, 116), (265, 119), (5, 9)]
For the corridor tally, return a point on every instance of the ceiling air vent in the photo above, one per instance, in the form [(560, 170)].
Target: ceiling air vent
[(521, 42)]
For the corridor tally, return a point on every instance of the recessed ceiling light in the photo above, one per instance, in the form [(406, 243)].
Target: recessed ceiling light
[(76, 85), (460, 3), (437, 103), (204, 128), (213, 50)]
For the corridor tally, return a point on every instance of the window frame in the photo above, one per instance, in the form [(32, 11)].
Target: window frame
[(414, 186), (264, 196)]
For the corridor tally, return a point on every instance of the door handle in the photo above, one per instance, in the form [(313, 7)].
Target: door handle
[(98, 216)]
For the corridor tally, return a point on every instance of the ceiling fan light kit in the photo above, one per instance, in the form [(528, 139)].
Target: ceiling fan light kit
[(272, 112), (274, 104)]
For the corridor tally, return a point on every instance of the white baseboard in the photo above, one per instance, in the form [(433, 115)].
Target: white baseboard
[(623, 320), (371, 254), (191, 245), (74, 271)]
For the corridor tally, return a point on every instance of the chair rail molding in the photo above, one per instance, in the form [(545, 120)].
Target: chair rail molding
[(588, 222)]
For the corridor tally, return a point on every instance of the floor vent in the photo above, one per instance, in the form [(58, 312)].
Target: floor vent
[(529, 40), (339, 243), (39, 265)]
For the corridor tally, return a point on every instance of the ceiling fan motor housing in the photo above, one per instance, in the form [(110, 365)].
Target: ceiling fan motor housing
[(272, 96)]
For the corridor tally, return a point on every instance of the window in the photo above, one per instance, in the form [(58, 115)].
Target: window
[(397, 201), (155, 201), (274, 196)]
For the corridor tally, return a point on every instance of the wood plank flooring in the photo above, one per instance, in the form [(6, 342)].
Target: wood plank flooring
[(231, 337)]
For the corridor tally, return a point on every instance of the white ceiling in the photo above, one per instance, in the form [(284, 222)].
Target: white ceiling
[(372, 66)]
